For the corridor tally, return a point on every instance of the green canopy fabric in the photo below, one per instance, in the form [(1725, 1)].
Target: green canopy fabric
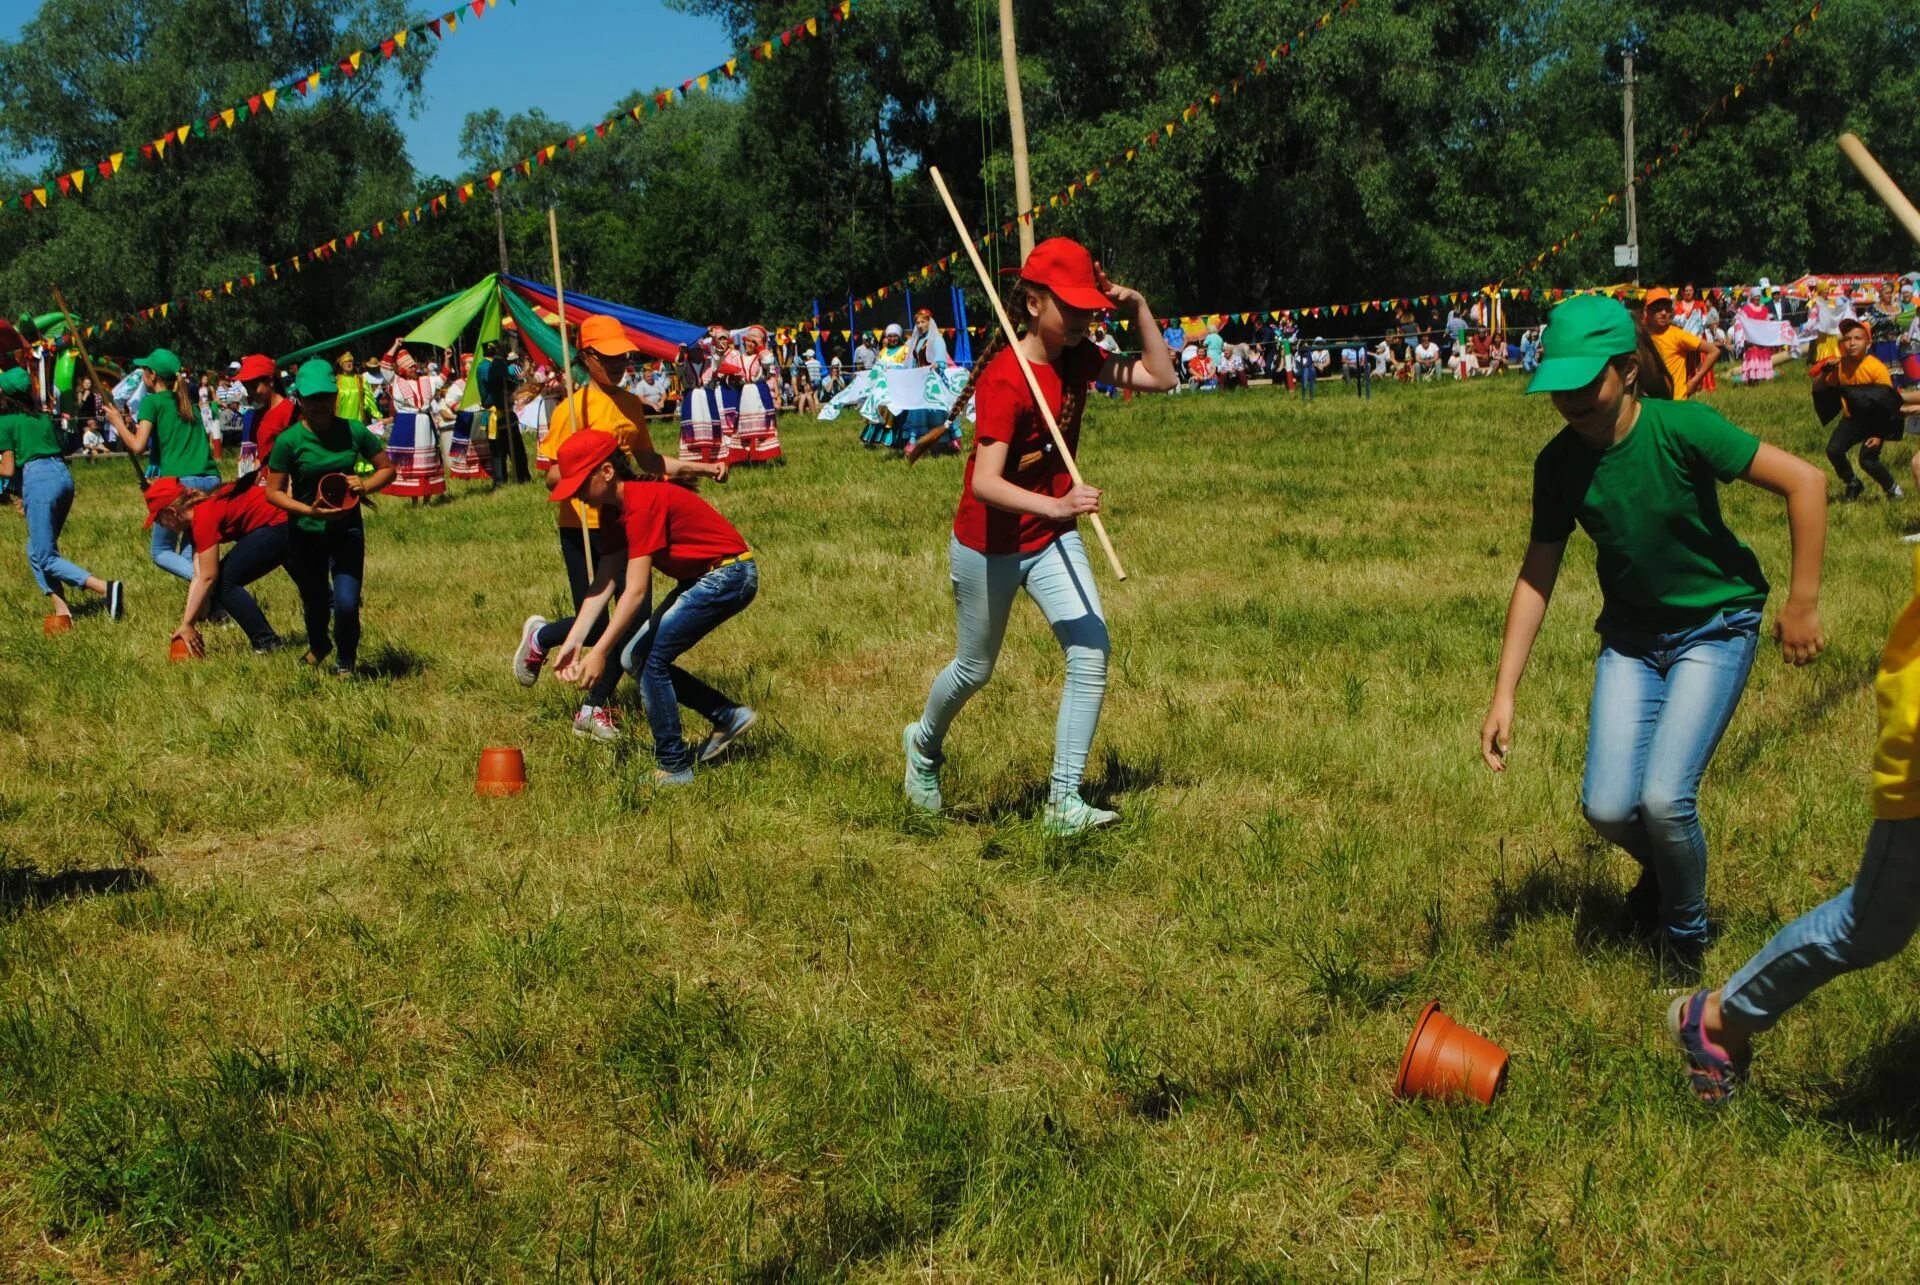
[(331, 347), (532, 328), (444, 328)]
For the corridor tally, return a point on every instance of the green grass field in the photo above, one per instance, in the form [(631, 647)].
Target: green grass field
[(337, 1018)]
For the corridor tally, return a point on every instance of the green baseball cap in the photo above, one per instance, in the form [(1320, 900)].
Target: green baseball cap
[(161, 362), (16, 382), (315, 379), (1583, 334)]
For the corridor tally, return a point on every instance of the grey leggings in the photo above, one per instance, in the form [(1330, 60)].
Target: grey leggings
[(1060, 582)]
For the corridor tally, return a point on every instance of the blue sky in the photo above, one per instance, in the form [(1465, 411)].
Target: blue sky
[(573, 59)]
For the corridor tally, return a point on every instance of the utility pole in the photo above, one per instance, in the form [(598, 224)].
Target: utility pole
[(1631, 259), (1017, 129)]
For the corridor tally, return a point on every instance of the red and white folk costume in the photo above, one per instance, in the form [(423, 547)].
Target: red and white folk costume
[(703, 413), (755, 373), (414, 442)]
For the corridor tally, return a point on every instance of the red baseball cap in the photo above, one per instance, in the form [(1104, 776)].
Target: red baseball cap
[(161, 492), (257, 366), (580, 455), (1065, 267)]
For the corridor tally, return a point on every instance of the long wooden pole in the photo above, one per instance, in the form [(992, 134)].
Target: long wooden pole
[(1017, 132), (566, 373), (1026, 367), (1883, 186), (99, 390)]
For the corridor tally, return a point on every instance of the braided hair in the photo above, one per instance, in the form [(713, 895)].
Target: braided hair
[(1018, 294)]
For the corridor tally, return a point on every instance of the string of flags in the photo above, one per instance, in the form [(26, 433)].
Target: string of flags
[(1499, 288), (458, 195), (1066, 195), (73, 183), (1687, 136)]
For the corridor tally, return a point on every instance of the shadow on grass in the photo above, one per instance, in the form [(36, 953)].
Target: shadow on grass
[(23, 887), (1553, 888), (391, 661), (1874, 1094), (1117, 776)]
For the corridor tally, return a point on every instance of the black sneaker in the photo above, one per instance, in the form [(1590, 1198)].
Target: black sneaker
[(1641, 918), (1854, 491), (116, 600)]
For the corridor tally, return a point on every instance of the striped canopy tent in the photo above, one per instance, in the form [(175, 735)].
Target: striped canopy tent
[(654, 335)]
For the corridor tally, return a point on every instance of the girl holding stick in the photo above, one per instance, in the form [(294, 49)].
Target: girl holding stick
[(1016, 527)]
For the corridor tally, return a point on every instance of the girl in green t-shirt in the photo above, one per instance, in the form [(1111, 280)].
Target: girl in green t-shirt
[(326, 542), (30, 453), (167, 422), (1682, 599)]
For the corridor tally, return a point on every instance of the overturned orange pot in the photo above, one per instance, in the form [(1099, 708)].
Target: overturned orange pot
[(503, 771), (1447, 1062)]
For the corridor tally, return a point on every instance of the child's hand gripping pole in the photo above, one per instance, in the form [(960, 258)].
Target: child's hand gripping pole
[(1026, 367)]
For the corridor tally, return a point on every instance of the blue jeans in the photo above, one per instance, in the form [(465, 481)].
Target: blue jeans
[(328, 566), (253, 555), (46, 491), (579, 580), (1661, 703), (691, 612), (1308, 373), (1867, 924), (1060, 581), (172, 551)]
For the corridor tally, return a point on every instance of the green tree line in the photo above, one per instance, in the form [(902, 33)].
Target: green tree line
[(1406, 148)]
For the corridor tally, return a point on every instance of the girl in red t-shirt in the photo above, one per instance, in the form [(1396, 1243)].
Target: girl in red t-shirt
[(238, 514), (1019, 508)]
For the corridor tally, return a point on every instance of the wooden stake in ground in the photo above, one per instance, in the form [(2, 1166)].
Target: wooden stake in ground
[(1026, 367), (99, 389), (566, 374), (1882, 185)]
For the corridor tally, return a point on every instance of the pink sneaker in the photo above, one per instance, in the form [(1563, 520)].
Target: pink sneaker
[(596, 721), (527, 657)]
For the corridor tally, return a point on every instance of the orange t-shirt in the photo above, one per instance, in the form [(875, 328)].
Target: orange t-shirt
[(1868, 370), (1675, 346)]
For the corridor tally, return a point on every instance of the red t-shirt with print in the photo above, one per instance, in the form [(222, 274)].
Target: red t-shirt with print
[(222, 518), (684, 534), (1004, 411)]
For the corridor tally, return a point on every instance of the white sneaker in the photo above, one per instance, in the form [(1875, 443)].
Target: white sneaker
[(922, 781), (596, 721), (527, 657), (1074, 815), (726, 732)]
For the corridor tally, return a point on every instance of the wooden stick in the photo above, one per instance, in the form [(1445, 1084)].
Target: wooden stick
[(1026, 367), (99, 390), (566, 374), (1883, 186)]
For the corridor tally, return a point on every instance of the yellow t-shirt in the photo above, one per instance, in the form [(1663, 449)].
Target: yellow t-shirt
[(617, 411), (1896, 758), (1674, 346)]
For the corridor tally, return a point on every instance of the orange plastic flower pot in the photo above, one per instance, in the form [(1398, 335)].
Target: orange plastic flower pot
[(334, 493), (178, 651), (56, 625), (503, 771), (1447, 1062)]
